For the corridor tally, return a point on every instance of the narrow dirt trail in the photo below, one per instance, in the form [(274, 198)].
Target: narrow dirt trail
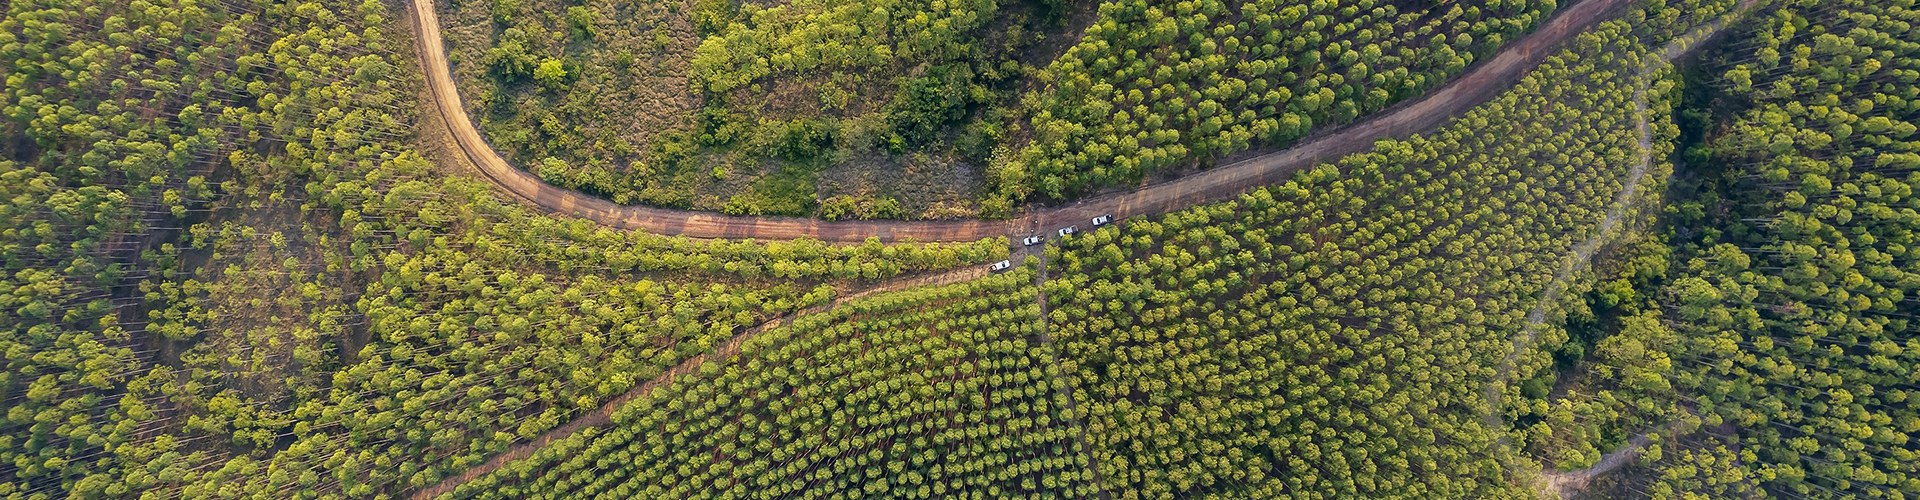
[(1483, 81), (1565, 484), (1582, 254), (1583, 251), (603, 415)]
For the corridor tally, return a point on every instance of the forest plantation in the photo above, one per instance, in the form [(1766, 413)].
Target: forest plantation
[(960, 249)]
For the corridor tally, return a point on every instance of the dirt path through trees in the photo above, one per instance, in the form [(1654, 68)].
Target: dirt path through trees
[(1564, 484), (1482, 82), (603, 415), (1583, 252)]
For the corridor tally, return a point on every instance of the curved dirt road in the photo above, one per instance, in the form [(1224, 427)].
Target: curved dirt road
[(1563, 485), (1484, 80)]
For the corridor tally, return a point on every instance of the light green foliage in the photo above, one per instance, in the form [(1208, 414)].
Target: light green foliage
[(551, 73), (582, 20), (809, 35), (224, 272)]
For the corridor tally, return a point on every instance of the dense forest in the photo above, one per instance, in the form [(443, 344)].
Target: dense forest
[(942, 392), (243, 259), (232, 274), (1331, 337)]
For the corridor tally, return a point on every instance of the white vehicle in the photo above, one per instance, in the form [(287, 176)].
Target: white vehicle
[(1032, 240), (1002, 265), (1068, 231), (1102, 220)]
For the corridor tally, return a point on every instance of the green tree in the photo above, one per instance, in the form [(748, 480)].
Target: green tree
[(552, 74)]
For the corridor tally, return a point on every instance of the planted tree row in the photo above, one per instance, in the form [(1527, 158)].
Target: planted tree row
[(935, 392)]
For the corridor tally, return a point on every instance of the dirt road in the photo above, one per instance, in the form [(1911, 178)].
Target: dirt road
[(1483, 81), (603, 416)]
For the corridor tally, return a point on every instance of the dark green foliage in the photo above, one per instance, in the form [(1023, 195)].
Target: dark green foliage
[(581, 21), (930, 102), (805, 139), (510, 59)]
